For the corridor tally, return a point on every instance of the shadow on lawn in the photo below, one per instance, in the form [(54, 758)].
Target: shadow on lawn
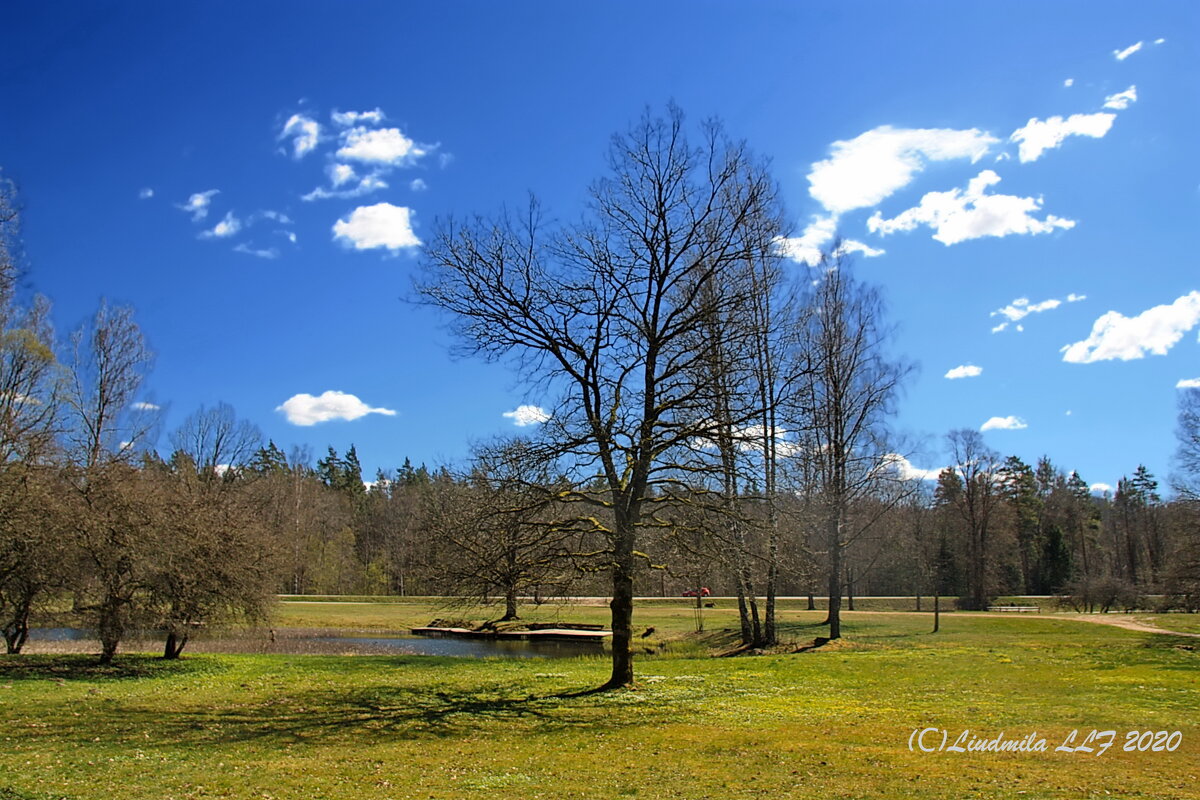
[(88, 667), (363, 714)]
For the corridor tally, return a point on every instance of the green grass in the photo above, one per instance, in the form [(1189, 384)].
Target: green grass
[(829, 723), (1188, 623)]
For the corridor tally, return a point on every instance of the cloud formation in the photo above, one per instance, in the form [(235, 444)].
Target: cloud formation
[(270, 252), (1121, 55), (1038, 136), (906, 469), (197, 205), (305, 133), (1100, 488), (146, 194), (367, 185), (380, 225), (864, 170), (525, 415), (383, 146), (1121, 100), (1188, 383), (143, 406), (1155, 331), (305, 410), (957, 215), (228, 226), (1004, 424), (1021, 308), (964, 371), (345, 119)]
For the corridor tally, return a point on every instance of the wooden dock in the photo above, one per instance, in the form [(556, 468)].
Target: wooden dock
[(561, 634)]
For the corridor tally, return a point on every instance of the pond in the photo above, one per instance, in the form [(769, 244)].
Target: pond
[(317, 641)]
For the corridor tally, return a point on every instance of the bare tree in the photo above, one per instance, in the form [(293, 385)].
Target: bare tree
[(217, 442), (850, 393), (602, 313), (112, 519), (972, 487)]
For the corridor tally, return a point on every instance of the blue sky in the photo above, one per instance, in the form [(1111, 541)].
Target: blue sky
[(256, 180)]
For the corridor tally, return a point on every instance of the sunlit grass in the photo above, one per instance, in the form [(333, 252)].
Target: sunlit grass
[(831, 722)]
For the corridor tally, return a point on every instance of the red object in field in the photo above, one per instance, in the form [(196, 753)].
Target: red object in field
[(704, 592)]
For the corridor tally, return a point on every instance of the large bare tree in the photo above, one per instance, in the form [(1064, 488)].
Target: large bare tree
[(601, 313)]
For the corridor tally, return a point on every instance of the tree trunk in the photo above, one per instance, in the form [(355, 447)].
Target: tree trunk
[(850, 589), (812, 603), (834, 620), (937, 612), (510, 604), (621, 606), (110, 628), (174, 645), (16, 631)]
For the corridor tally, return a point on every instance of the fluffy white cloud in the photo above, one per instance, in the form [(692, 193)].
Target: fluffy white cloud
[(1121, 55), (906, 469), (863, 171), (1069, 82), (304, 409), (1159, 41), (380, 225), (964, 371), (418, 185), (958, 215), (368, 184), (270, 252), (146, 194), (1004, 424), (345, 119), (341, 173), (304, 131), (1100, 488), (227, 227), (809, 247), (1121, 100), (527, 415), (1188, 383), (1155, 331), (1039, 136), (378, 146), (197, 205), (1075, 298), (143, 406)]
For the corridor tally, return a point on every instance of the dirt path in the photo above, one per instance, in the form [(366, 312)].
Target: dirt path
[(1129, 624)]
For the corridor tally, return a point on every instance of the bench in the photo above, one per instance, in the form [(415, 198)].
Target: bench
[(1038, 609)]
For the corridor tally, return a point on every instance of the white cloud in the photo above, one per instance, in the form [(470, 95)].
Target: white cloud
[(909, 472), (197, 204), (1100, 488), (1020, 308), (964, 371), (370, 183), (527, 415), (1121, 55), (142, 406), (1159, 41), (347, 118), (146, 194), (1121, 100), (277, 216), (340, 174), (378, 146), (1188, 383), (1039, 136), (958, 215), (227, 227), (418, 185), (1004, 424), (305, 133), (305, 410), (1069, 82), (269, 252), (863, 171), (1075, 298), (380, 225), (808, 247), (1154, 331)]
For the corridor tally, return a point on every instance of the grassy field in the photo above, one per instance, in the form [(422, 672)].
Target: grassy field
[(828, 723)]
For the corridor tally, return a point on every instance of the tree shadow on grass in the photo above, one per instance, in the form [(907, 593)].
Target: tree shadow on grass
[(88, 667), (377, 713)]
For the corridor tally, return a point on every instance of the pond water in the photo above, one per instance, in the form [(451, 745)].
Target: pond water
[(318, 642)]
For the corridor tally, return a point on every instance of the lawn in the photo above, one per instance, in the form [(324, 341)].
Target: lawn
[(828, 723)]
